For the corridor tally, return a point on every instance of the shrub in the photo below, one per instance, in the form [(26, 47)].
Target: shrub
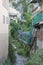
[(12, 53), (18, 45), (13, 29), (7, 62), (24, 51), (13, 33), (37, 59)]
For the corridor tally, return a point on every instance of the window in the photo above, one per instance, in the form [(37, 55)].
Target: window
[(3, 19), (7, 20)]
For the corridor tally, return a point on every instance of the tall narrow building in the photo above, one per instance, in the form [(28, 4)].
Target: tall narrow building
[(4, 20)]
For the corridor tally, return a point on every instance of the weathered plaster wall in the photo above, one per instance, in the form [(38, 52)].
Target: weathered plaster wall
[(40, 38), (3, 33)]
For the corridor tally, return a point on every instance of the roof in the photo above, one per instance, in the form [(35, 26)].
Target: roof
[(36, 1), (33, 1), (38, 18)]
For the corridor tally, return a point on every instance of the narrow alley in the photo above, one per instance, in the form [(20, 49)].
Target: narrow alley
[(20, 60)]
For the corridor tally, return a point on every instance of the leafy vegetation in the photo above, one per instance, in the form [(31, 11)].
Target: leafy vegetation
[(26, 14), (12, 53), (24, 52), (7, 62), (28, 18), (22, 49), (13, 32), (13, 27), (36, 59)]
